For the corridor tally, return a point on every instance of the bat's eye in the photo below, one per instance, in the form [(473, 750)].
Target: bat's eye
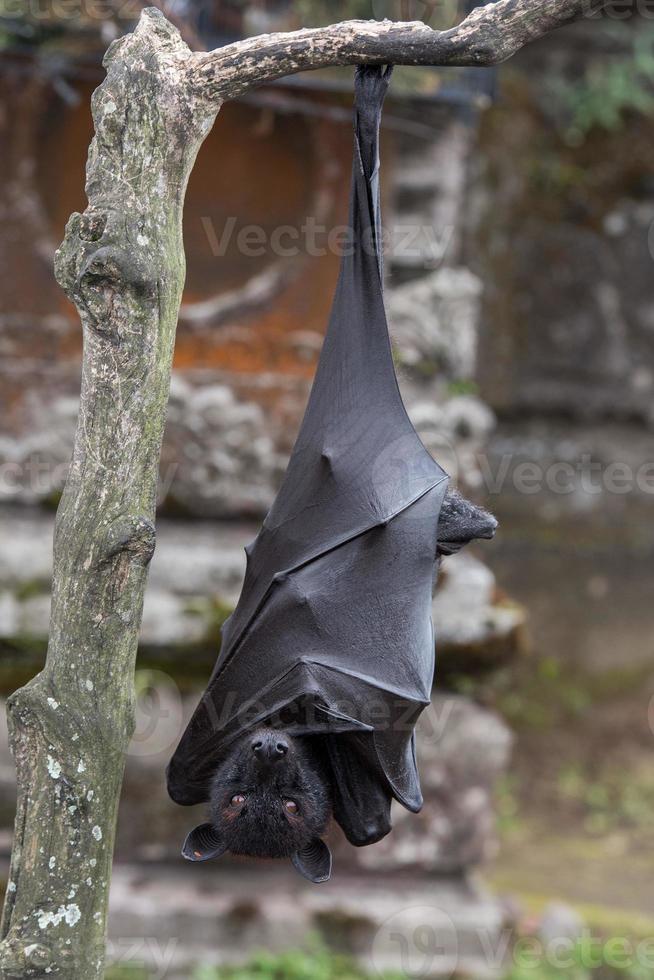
[(291, 806), (237, 800)]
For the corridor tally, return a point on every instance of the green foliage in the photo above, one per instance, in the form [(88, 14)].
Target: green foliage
[(550, 174), (616, 958), (214, 611), (591, 958), (462, 386), (609, 90), (126, 973), (507, 804), (618, 798), (547, 696), (52, 500), (31, 588), (293, 965)]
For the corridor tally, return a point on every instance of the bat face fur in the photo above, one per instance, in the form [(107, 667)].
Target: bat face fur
[(270, 797)]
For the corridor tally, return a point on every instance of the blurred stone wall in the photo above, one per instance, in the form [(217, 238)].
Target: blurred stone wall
[(561, 227), (269, 189)]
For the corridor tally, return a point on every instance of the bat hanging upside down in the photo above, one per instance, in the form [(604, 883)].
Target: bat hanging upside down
[(271, 795), (328, 659)]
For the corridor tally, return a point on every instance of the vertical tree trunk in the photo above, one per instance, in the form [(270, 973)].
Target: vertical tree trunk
[(122, 263)]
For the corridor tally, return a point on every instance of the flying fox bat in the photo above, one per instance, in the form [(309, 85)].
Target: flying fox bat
[(328, 659)]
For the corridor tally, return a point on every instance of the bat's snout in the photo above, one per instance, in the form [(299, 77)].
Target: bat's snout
[(269, 748), (487, 525)]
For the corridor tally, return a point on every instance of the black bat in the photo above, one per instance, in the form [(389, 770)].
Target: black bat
[(328, 659)]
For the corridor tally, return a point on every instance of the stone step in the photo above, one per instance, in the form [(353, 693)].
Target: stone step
[(173, 918), (170, 919)]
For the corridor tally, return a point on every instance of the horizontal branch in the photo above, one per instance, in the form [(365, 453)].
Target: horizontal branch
[(488, 36)]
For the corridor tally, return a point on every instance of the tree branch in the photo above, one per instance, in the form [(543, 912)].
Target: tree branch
[(488, 36)]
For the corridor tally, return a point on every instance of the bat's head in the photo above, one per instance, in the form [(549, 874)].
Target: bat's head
[(270, 799), (461, 522)]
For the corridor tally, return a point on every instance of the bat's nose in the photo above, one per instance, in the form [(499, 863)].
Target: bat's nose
[(269, 748), (487, 526)]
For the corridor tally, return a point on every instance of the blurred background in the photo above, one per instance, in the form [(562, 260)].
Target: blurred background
[(519, 257)]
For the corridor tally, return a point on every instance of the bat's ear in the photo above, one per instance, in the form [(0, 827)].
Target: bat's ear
[(314, 861), (202, 844)]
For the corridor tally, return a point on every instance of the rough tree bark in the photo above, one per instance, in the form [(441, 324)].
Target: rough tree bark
[(122, 263)]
